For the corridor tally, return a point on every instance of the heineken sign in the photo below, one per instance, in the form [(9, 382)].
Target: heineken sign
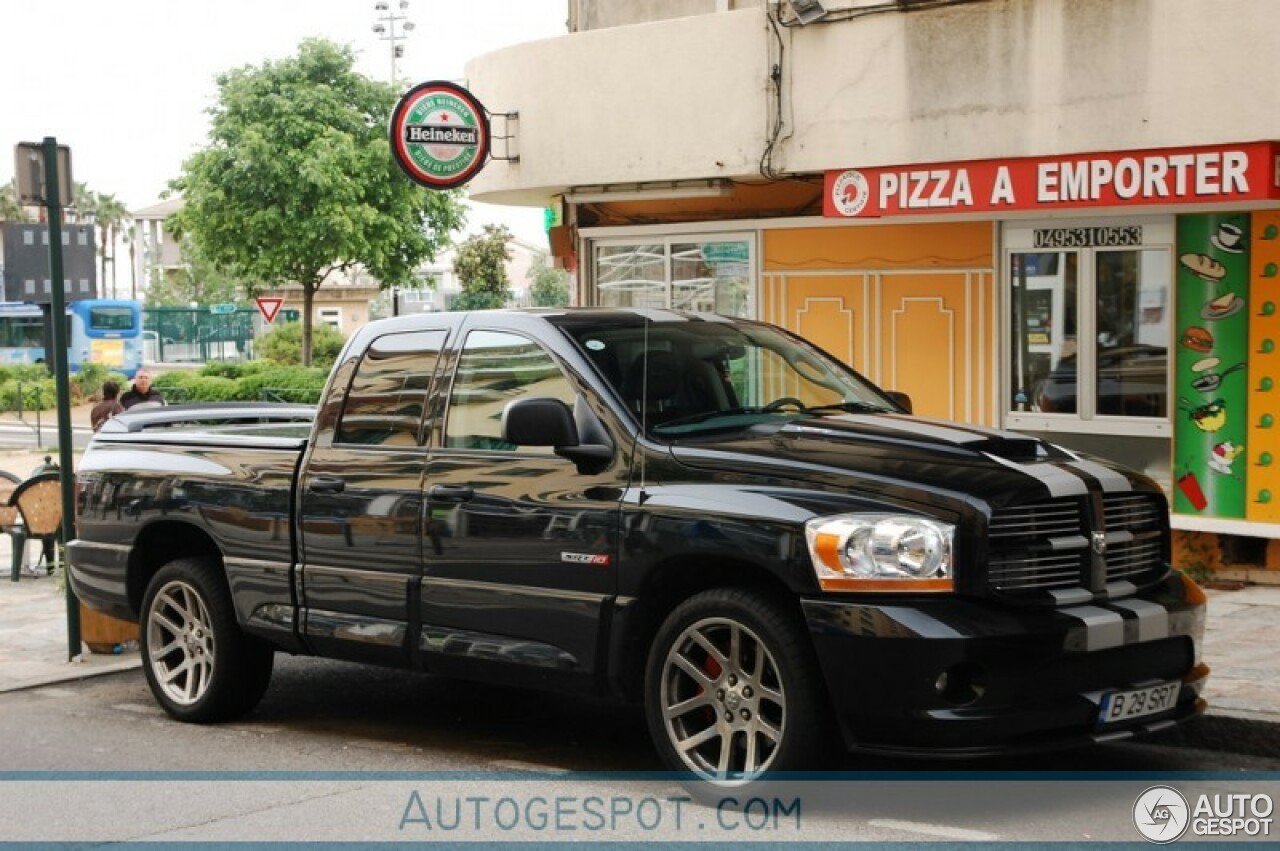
[(439, 135)]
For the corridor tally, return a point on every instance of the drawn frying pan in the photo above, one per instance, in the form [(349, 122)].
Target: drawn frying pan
[(1210, 381)]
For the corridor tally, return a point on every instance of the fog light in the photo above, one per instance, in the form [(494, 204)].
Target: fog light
[(960, 685)]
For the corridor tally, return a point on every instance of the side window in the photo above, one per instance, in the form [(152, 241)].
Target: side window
[(497, 368), (389, 390)]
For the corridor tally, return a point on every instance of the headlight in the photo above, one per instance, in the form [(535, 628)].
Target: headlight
[(881, 552)]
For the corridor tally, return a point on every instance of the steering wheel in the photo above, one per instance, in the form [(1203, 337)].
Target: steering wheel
[(782, 402)]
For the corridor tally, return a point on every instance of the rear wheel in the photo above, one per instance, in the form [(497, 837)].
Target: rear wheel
[(200, 666), (732, 692)]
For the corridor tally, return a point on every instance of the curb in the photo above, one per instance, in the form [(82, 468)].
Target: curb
[(1230, 730), (77, 669)]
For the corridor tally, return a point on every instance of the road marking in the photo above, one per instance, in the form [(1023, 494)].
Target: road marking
[(140, 708), (942, 830), (517, 765)]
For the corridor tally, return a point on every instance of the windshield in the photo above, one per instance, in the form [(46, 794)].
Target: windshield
[(694, 375)]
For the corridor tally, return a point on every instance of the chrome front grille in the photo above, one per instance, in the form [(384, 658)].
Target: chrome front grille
[(1050, 546)]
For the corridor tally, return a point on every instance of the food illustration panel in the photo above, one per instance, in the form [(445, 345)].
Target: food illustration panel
[(1211, 366)]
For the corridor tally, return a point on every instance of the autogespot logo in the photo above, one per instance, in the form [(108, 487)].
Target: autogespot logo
[(1161, 814)]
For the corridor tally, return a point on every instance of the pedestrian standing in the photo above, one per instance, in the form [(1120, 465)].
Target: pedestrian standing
[(108, 407), (142, 391)]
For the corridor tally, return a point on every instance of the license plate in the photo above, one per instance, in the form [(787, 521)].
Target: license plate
[(1120, 706)]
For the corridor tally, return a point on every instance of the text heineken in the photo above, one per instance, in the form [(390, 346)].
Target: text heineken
[(431, 134)]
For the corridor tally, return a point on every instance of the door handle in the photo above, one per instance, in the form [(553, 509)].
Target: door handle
[(326, 484), (450, 493)]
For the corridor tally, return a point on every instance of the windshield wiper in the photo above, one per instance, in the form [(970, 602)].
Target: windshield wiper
[(851, 407), (693, 419)]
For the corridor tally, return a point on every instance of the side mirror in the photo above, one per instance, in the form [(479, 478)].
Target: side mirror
[(539, 422), (902, 400), (550, 422)]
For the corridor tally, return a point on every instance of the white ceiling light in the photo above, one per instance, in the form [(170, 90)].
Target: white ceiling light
[(673, 191)]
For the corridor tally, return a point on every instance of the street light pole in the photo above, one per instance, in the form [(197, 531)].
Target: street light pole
[(393, 26)]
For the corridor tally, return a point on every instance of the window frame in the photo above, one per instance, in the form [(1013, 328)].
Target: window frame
[(667, 240), (441, 441), (421, 432), (1158, 233)]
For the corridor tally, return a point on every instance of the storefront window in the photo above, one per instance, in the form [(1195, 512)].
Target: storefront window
[(631, 275), (710, 276), (1045, 332), (1090, 328), (1131, 357)]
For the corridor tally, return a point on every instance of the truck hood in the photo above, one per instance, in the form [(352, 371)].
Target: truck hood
[(892, 454)]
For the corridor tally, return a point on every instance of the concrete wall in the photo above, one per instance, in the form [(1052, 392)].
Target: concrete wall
[(689, 97), (602, 14)]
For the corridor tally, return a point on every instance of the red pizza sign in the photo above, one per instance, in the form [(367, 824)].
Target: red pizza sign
[(439, 135), (1209, 174)]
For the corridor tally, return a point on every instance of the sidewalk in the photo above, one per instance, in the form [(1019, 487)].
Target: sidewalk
[(33, 611)]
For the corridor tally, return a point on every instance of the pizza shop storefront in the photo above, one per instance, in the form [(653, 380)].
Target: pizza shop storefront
[(1123, 304)]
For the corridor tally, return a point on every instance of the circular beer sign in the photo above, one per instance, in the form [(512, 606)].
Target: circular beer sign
[(439, 135)]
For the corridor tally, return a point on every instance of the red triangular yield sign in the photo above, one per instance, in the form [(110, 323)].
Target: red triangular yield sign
[(269, 306)]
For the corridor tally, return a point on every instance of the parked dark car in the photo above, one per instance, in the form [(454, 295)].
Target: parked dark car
[(1133, 381), (706, 515)]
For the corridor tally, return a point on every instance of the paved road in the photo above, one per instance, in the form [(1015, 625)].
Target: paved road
[(23, 435), (363, 749)]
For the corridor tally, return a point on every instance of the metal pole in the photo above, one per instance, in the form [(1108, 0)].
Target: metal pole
[(60, 380)]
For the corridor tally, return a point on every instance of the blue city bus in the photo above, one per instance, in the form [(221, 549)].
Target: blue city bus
[(100, 330)]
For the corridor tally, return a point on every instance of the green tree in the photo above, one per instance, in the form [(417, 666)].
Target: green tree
[(480, 264), (549, 286), (10, 209), (111, 216), (297, 181), (200, 281), (84, 204), (283, 344)]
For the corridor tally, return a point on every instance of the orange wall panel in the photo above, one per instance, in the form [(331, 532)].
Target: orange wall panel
[(912, 307), (956, 245)]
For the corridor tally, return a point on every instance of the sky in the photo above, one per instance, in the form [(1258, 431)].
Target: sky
[(126, 83)]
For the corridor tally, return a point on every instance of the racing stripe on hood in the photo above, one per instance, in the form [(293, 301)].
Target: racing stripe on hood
[(1058, 481), (1109, 480)]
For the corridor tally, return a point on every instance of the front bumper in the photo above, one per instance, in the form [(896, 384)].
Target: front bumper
[(953, 676)]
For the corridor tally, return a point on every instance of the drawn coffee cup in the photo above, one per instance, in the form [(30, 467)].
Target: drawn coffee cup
[(1228, 238)]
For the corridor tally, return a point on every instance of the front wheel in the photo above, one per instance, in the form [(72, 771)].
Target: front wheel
[(732, 692), (200, 666)]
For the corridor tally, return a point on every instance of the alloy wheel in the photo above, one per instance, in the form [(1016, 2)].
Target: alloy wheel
[(180, 642), (722, 700)]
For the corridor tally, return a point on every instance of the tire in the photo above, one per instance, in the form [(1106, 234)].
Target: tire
[(744, 711), (200, 666)]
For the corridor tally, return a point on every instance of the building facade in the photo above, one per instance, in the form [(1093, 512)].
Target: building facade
[(1056, 216)]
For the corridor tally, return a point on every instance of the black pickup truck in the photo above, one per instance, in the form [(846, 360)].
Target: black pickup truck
[(707, 515)]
